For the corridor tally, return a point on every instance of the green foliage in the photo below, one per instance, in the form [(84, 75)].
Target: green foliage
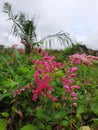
[(3, 124), (20, 112), (28, 127)]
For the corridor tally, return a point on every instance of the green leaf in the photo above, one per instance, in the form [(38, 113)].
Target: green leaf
[(40, 113), (3, 124), (16, 53), (94, 107), (5, 114), (95, 121), (2, 96), (30, 73), (49, 127), (10, 83), (28, 127), (80, 109), (41, 126), (59, 74), (15, 110), (78, 117), (59, 115), (24, 69), (64, 123)]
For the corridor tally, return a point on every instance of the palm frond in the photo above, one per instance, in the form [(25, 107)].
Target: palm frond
[(7, 8), (61, 38), (21, 18), (23, 27), (16, 27)]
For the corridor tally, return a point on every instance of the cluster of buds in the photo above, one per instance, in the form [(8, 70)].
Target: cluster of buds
[(19, 91)]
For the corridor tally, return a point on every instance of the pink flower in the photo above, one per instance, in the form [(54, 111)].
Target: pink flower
[(48, 95), (26, 87), (45, 67), (66, 87), (36, 67), (37, 49), (73, 75), (83, 59), (17, 91), (65, 81), (75, 98), (75, 87), (75, 104), (36, 75), (74, 94), (54, 99), (22, 89), (42, 52), (35, 97), (73, 69), (31, 58), (35, 61)]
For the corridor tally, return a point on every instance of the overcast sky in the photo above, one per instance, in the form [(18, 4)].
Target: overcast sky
[(77, 17)]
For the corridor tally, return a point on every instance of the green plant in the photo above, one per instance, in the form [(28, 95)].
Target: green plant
[(54, 108)]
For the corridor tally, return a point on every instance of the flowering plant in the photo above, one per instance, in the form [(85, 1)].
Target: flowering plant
[(53, 89), (82, 59), (44, 94)]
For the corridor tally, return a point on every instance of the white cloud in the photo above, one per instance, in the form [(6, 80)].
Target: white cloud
[(92, 39), (78, 17)]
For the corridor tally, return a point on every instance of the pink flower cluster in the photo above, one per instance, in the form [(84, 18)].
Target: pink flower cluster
[(44, 68), (19, 91), (82, 59), (70, 89)]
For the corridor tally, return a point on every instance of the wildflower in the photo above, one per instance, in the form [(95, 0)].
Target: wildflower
[(73, 69), (54, 99), (42, 52), (30, 58), (74, 94), (83, 59), (37, 49), (75, 98), (17, 91), (35, 97), (75, 104), (75, 87), (26, 87), (67, 88), (73, 75)]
